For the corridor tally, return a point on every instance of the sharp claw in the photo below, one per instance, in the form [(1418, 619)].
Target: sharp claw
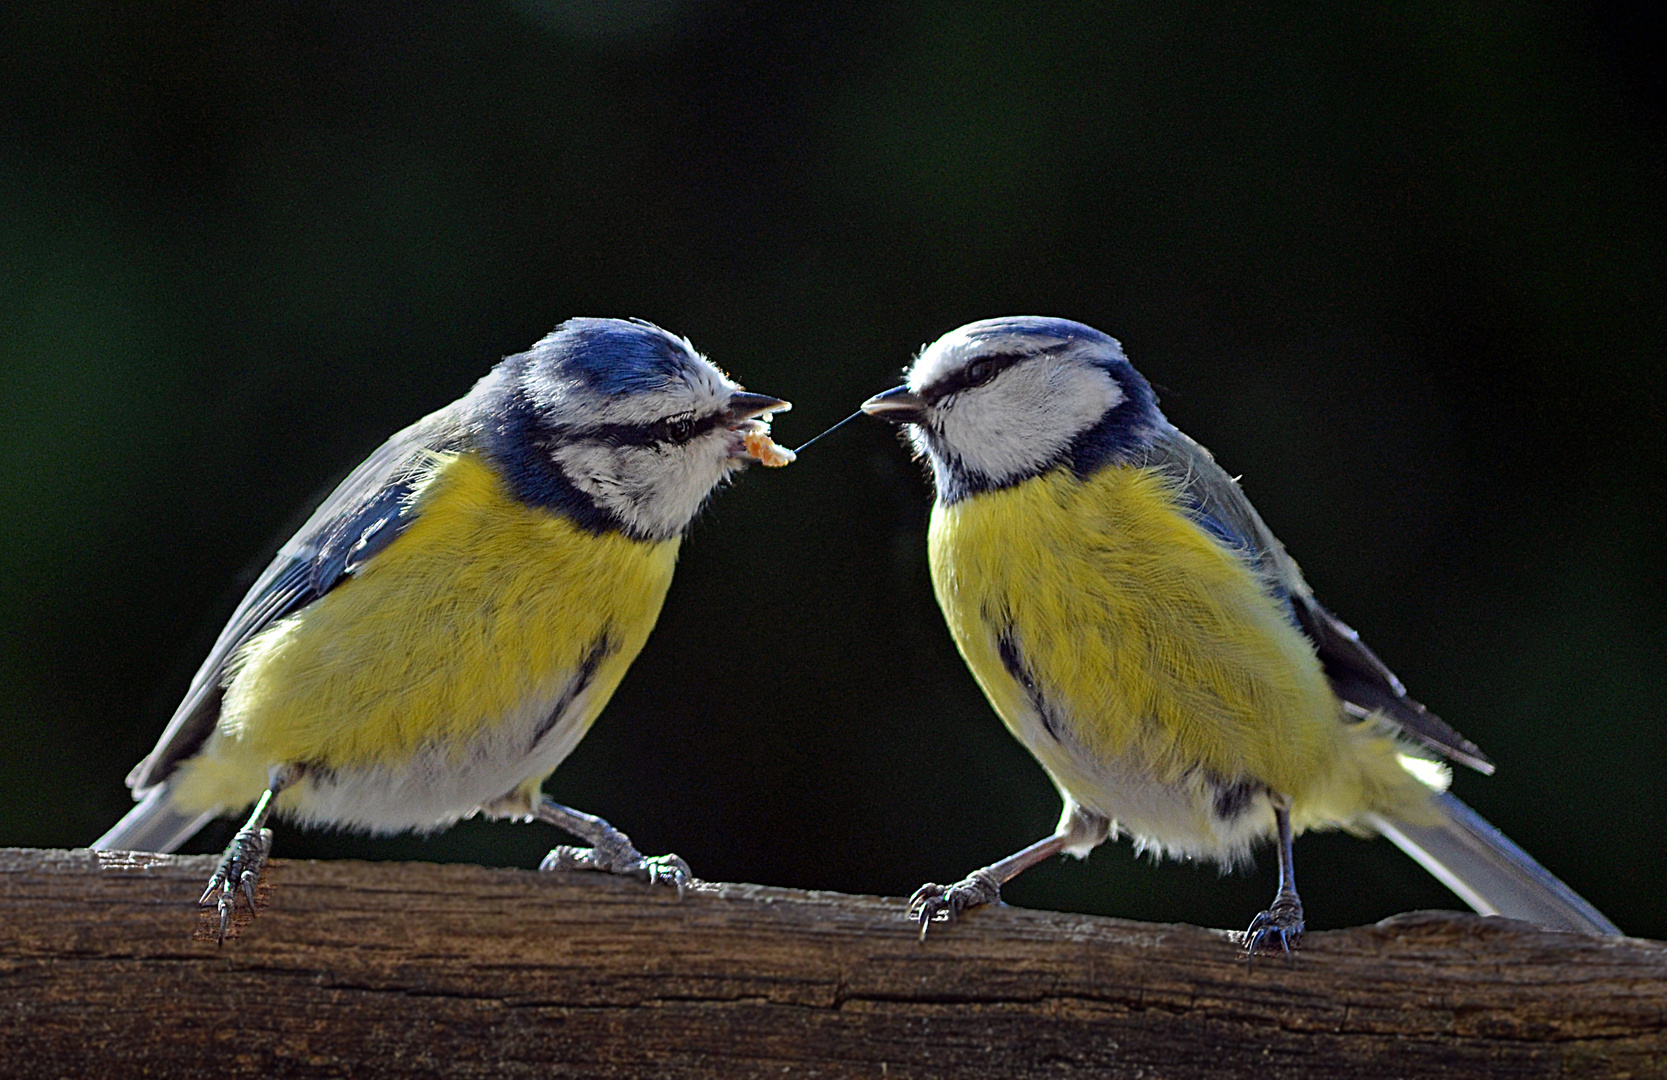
[(238, 874), (974, 890), (924, 905), (670, 870), (1282, 923), (928, 911), (664, 870)]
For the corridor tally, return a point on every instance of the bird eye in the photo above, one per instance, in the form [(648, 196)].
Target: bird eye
[(980, 372), (680, 429)]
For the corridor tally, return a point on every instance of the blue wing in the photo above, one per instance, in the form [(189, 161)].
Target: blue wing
[(1361, 680), (363, 515)]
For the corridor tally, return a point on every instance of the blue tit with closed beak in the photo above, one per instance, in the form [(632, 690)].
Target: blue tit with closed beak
[(1141, 631), (443, 630)]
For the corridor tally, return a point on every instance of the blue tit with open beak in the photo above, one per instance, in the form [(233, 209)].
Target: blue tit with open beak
[(445, 628)]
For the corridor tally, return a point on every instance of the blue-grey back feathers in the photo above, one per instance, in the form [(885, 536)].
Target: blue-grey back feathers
[(361, 516), (1359, 679)]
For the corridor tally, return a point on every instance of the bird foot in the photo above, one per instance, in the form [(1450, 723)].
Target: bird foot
[(623, 859), (238, 873), (1280, 925), (977, 888)]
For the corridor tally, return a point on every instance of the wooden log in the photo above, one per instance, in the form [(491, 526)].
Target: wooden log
[(384, 969)]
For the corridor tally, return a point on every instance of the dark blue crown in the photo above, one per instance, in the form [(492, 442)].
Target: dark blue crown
[(614, 357), (1039, 325)]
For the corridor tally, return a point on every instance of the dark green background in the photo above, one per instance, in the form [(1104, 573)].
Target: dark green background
[(1399, 265)]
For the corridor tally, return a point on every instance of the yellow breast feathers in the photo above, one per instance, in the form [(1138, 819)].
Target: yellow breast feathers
[(480, 606), (1100, 601)]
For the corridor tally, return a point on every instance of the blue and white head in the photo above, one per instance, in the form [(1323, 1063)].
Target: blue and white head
[(619, 425), (999, 401)]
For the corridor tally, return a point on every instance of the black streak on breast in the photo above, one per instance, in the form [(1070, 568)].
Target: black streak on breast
[(1232, 799), (1014, 662), (575, 686)]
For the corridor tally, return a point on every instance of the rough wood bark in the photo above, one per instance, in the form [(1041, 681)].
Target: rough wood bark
[(380, 969)]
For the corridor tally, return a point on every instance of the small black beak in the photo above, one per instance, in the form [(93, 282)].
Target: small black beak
[(899, 405), (745, 406)]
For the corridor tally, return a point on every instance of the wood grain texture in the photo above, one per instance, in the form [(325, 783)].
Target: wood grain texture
[(385, 969)]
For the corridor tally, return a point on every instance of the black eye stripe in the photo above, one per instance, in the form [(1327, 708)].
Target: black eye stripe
[(676, 429), (963, 378)]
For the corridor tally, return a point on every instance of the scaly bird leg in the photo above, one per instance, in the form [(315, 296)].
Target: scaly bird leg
[(1282, 922), (240, 867), (610, 851), (1078, 830)]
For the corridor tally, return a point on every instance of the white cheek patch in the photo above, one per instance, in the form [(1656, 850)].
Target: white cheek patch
[(1019, 422), (657, 490)]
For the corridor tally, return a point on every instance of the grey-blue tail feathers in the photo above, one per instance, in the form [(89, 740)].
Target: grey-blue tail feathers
[(1490, 873), (153, 825)]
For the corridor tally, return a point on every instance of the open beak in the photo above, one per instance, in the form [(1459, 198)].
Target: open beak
[(749, 418), (899, 405), (745, 406)]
